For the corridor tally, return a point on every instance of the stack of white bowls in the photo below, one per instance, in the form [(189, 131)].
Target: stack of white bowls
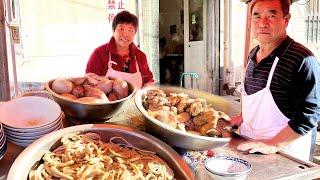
[(3, 144), (26, 119)]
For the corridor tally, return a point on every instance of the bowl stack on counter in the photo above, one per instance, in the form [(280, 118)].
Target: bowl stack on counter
[(3, 144), (26, 119)]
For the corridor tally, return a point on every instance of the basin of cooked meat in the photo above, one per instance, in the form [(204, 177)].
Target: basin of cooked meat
[(190, 115)]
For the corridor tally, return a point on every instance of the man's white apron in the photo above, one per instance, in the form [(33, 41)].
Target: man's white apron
[(262, 119), (134, 78)]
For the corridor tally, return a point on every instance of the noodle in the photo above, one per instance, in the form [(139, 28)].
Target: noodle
[(85, 156)]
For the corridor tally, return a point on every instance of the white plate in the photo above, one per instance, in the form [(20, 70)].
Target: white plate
[(29, 112), (25, 143), (14, 130), (36, 129), (21, 134)]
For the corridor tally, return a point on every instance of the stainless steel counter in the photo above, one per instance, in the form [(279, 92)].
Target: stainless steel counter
[(273, 166)]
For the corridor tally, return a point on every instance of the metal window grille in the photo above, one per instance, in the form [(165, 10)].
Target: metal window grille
[(312, 21)]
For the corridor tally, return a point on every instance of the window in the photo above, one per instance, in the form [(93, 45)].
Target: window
[(304, 25)]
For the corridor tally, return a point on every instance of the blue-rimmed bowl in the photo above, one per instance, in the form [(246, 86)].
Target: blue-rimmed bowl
[(227, 167)]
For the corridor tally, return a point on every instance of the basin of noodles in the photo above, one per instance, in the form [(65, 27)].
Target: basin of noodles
[(115, 146), (84, 156)]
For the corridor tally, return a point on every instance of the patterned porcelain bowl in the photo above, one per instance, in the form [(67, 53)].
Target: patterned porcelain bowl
[(226, 167)]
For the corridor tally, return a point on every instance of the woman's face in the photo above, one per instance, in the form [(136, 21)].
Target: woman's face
[(124, 34)]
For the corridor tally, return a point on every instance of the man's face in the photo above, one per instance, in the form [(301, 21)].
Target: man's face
[(124, 34), (268, 21)]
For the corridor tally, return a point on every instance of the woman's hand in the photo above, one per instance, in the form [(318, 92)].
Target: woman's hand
[(254, 146)]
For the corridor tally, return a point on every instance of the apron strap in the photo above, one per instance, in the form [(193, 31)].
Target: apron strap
[(245, 70), (137, 66), (243, 78), (275, 62), (110, 62)]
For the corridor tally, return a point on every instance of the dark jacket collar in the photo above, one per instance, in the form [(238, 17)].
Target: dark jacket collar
[(279, 51), (111, 47)]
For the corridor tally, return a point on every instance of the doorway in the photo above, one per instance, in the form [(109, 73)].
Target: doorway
[(196, 61), (171, 41)]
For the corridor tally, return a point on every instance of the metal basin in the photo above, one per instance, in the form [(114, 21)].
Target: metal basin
[(33, 153), (88, 111), (176, 137)]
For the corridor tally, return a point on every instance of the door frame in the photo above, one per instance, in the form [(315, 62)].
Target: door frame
[(203, 43), (211, 11)]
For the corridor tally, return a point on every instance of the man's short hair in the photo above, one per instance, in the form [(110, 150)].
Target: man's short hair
[(125, 17), (285, 5)]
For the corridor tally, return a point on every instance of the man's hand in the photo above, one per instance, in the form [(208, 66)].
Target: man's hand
[(235, 121), (254, 146)]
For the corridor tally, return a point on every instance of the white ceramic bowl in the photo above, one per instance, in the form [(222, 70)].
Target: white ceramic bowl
[(35, 131), (29, 112), (227, 167), (32, 135)]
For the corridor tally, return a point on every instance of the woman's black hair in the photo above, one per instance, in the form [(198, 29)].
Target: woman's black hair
[(125, 17)]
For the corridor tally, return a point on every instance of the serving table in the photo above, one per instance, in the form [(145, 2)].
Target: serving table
[(274, 166)]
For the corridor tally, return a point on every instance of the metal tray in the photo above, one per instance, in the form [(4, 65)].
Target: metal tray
[(33, 153)]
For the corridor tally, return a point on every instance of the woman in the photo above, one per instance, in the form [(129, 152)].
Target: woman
[(120, 58)]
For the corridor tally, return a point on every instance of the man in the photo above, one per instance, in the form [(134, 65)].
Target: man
[(281, 89)]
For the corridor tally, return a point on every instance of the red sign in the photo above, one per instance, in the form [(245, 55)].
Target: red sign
[(120, 3), (112, 10), (111, 4)]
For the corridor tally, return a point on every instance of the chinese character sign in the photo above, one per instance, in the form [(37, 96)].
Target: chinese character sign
[(113, 7)]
